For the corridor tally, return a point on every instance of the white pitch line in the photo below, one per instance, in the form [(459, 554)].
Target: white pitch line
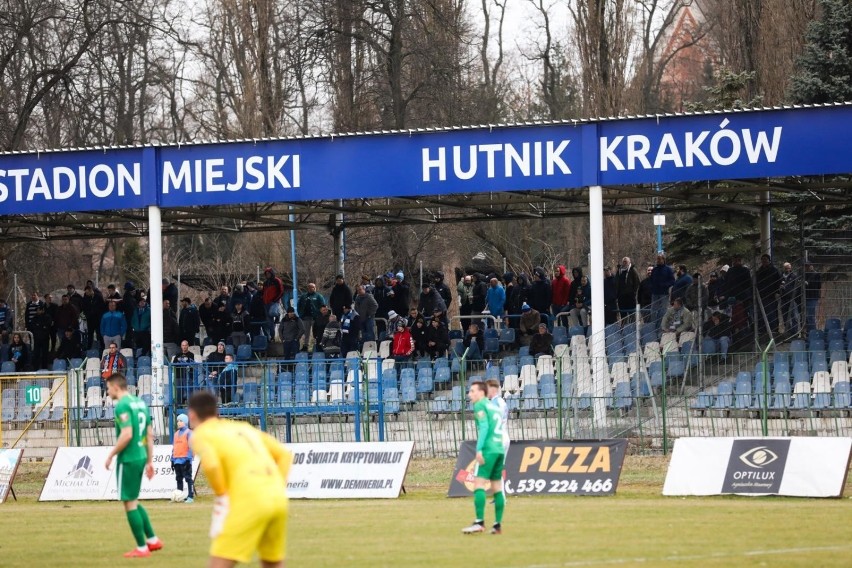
[(677, 558)]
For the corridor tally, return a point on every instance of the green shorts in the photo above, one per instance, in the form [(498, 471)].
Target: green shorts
[(492, 469), (129, 477)]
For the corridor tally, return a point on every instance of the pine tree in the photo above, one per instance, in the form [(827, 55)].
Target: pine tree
[(825, 67)]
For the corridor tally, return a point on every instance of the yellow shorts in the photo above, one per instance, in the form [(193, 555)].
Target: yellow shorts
[(249, 527)]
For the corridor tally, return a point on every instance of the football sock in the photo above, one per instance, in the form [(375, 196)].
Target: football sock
[(479, 504), (146, 522), (499, 504), (136, 527)]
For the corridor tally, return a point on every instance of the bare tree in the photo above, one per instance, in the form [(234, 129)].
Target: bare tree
[(603, 33)]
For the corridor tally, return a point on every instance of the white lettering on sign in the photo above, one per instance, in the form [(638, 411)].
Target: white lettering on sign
[(59, 183), (215, 175), (507, 160), (724, 147)]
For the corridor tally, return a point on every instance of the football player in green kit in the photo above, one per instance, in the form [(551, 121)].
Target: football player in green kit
[(489, 458)]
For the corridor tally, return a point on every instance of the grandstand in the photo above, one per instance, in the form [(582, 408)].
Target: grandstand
[(659, 388)]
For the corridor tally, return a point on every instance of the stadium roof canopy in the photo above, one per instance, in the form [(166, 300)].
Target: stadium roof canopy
[(645, 165)]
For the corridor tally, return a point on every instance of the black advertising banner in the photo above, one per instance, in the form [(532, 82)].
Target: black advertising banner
[(756, 466), (549, 467)]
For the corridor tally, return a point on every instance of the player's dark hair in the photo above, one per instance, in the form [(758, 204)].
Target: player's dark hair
[(204, 404), (118, 379), (493, 383), (480, 385)]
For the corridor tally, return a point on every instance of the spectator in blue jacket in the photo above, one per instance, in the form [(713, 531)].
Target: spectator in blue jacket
[(495, 299), (682, 282), (141, 323), (662, 279), (113, 325)]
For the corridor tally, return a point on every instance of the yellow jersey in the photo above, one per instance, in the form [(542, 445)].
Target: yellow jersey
[(240, 460)]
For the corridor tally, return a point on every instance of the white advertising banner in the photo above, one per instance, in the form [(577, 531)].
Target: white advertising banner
[(78, 474), (365, 470), (9, 461), (795, 467)]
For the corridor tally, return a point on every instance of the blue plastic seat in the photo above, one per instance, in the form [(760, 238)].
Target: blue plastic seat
[(842, 397), (424, 381), (781, 400), (560, 335), (389, 379), (702, 401), (622, 397), (250, 394), (259, 344), (244, 352), (529, 398), (724, 396), (742, 395)]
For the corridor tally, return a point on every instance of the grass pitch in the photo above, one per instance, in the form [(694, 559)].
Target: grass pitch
[(636, 527)]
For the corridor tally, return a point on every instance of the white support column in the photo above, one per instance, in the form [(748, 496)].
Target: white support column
[(600, 371), (155, 273)]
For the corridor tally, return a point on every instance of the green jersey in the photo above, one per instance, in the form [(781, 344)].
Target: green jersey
[(489, 425), (131, 411)]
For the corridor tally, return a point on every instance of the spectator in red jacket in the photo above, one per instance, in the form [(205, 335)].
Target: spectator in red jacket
[(273, 290), (403, 344), (560, 293)]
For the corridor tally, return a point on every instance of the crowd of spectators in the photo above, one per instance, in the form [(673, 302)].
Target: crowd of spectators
[(385, 308)]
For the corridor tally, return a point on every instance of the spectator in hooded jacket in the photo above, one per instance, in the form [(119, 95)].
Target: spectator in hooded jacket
[(495, 299), (480, 291), (141, 324), (437, 338), (290, 330), (560, 291), (273, 291), (402, 347), (443, 290), (309, 306), (341, 295), (430, 300), (418, 335), (539, 295)]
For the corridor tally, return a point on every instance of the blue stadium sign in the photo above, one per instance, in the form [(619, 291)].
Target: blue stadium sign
[(611, 152)]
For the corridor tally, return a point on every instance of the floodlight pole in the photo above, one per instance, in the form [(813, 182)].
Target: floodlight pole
[(765, 224), (295, 296), (596, 266), (155, 273)]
